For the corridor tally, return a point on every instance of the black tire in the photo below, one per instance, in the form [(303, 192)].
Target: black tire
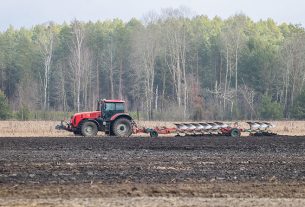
[(89, 129), (122, 127), (153, 134), (235, 132), (77, 133)]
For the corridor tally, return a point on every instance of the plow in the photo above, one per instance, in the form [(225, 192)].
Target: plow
[(209, 129), (111, 117)]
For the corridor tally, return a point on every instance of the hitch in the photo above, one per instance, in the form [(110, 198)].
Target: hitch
[(64, 126)]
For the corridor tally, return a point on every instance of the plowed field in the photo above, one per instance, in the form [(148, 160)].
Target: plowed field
[(173, 171)]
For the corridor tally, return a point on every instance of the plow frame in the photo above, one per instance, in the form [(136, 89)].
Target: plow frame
[(153, 132), (230, 131)]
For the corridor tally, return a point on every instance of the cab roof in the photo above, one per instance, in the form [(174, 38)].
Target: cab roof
[(113, 101)]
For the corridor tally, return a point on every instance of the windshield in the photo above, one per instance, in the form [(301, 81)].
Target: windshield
[(114, 107)]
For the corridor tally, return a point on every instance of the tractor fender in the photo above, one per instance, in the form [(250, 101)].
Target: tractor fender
[(120, 115), (92, 120)]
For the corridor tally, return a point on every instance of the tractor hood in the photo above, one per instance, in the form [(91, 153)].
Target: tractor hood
[(76, 118), (88, 114)]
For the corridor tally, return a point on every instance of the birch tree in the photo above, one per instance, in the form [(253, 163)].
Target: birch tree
[(233, 41), (45, 40), (76, 49), (175, 41), (146, 47), (293, 71)]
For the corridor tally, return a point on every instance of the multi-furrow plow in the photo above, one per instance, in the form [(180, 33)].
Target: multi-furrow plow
[(210, 129)]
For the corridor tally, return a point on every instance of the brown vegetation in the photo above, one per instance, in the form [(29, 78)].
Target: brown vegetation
[(47, 128)]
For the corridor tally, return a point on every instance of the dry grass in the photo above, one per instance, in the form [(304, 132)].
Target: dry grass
[(30, 128), (47, 128)]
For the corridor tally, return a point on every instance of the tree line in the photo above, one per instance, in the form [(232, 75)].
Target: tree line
[(168, 66)]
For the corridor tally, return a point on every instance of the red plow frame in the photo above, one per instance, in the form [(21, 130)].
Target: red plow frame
[(208, 129)]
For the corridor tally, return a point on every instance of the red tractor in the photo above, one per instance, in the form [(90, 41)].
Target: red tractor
[(110, 117)]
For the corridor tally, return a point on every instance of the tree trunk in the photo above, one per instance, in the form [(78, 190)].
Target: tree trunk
[(121, 80), (111, 71)]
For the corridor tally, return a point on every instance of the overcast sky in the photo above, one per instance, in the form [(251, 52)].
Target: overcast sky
[(30, 12)]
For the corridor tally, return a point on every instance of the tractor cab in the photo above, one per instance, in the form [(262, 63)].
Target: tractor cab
[(110, 108)]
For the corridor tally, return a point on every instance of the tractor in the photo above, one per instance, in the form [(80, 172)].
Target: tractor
[(110, 117)]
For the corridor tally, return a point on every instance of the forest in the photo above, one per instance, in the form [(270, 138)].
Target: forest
[(167, 66)]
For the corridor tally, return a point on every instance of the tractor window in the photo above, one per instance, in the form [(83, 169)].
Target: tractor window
[(109, 107), (119, 106)]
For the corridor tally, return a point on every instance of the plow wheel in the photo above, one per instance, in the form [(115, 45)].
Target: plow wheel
[(122, 127), (235, 132), (153, 134)]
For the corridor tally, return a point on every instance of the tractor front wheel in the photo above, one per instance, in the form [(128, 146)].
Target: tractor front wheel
[(122, 127), (77, 133), (89, 129)]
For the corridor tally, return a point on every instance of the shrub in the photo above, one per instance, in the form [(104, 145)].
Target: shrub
[(270, 109), (23, 113)]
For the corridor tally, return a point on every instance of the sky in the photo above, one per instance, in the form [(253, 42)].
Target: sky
[(27, 13)]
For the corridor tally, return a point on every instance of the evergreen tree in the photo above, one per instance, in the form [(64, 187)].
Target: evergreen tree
[(298, 110), (269, 109), (4, 108)]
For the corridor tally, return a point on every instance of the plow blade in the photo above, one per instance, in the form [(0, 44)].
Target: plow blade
[(260, 125), (260, 129), (217, 129)]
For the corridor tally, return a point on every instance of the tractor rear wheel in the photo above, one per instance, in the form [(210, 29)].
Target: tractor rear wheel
[(122, 127), (89, 129)]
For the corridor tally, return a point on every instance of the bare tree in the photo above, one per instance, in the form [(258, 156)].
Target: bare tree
[(293, 72), (175, 41), (146, 47), (111, 67), (45, 40), (61, 86), (87, 77), (108, 58), (221, 96), (76, 49), (232, 40), (248, 94)]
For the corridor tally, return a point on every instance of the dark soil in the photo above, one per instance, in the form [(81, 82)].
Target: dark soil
[(198, 164)]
